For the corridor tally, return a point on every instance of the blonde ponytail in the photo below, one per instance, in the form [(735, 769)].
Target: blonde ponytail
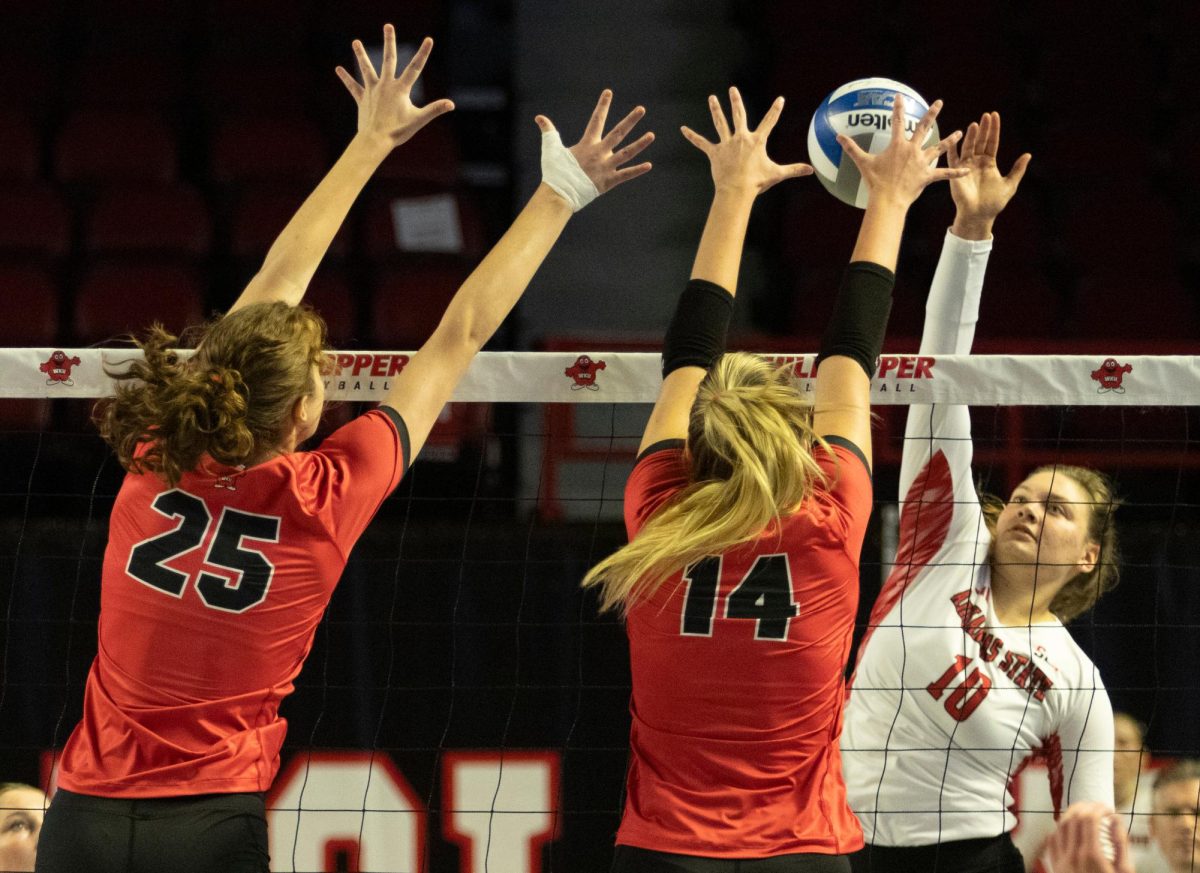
[(750, 444)]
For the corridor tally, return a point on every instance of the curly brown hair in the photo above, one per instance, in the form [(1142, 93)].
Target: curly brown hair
[(1082, 591), (229, 401)]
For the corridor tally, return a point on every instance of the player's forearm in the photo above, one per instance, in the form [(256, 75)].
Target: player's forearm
[(496, 285), (299, 249), (879, 235), (952, 310), (719, 255)]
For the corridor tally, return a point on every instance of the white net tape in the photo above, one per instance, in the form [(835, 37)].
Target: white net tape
[(633, 377)]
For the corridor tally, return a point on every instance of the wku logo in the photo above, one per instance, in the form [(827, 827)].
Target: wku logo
[(584, 372), (1110, 375), (58, 368)]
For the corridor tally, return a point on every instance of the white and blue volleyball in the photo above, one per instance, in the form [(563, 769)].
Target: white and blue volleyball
[(862, 110)]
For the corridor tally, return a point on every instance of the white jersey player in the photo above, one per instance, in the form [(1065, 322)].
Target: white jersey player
[(967, 671)]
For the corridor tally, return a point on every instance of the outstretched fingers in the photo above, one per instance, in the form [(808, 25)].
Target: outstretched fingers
[(614, 137), (718, 117), (1017, 173), (921, 131), (945, 146), (595, 125), (412, 71), (355, 89), (770, 119), (738, 110), (696, 139), (632, 150), (631, 173), (853, 149), (991, 145), (365, 66), (387, 69)]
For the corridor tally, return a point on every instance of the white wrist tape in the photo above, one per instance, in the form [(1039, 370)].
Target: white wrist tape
[(562, 172)]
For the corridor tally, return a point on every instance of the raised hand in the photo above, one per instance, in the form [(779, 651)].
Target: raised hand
[(738, 159), (982, 193), (385, 107), (597, 152), (902, 170)]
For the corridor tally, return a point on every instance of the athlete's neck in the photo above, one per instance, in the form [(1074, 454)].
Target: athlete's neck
[(1020, 596)]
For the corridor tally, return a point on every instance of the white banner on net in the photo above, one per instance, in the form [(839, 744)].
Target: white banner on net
[(633, 377)]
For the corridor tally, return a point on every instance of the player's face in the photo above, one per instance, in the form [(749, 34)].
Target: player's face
[(1045, 522), (21, 814), (1127, 757), (1174, 823)]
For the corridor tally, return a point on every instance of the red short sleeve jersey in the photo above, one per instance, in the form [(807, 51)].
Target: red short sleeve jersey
[(738, 665), (210, 595)]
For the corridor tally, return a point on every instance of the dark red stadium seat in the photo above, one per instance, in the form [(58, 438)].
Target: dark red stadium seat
[(270, 27), (24, 80), (261, 149), (817, 230), (168, 220), (812, 301), (428, 162), (34, 221), (261, 212), (19, 155), (1137, 303), (97, 146), (1121, 228), (330, 294), (116, 298), (29, 303), (223, 86), (379, 229), (1019, 301), (1071, 162), (160, 82), (135, 30), (409, 302)]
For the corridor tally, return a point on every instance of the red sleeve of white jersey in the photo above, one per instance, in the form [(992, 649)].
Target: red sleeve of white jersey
[(658, 475), (849, 493), (352, 473)]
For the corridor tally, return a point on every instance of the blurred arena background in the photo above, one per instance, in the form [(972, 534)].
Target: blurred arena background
[(150, 150)]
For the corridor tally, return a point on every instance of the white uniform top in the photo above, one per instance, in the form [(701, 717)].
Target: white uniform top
[(946, 704)]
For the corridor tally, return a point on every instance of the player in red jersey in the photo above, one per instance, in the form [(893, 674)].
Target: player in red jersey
[(746, 512), (225, 542)]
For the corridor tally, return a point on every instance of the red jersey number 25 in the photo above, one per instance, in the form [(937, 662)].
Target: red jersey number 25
[(249, 569)]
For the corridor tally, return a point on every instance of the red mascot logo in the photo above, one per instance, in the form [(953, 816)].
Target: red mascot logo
[(58, 368), (1110, 376), (584, 371)]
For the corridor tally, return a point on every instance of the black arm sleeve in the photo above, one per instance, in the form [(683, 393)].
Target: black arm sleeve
[(860, 315), (696, 335)]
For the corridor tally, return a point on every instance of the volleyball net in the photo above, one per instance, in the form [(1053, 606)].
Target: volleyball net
[(465, 707)]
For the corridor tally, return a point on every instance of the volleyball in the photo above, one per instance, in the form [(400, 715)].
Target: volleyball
[(862, 110)]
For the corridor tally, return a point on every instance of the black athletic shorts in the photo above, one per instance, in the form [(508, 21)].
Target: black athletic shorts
[(629, 859), (986, 855), (211, 833)]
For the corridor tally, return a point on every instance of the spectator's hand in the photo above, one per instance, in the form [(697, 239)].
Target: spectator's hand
[(902, 170), (738, 158), (983, 192), (597, 152), (1075, 845), (385, 107)]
